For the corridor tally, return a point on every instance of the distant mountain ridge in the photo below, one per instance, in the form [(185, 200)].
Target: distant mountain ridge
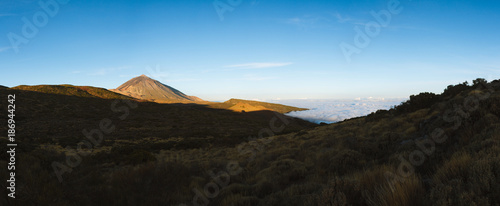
[(143, 87), (241, 105), (80, 91)]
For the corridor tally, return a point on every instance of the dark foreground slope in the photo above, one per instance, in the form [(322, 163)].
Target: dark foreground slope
[(60, 119), (121, 133), (432, 150)]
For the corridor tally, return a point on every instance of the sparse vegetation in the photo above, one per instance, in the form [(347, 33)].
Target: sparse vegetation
[(162, 152)]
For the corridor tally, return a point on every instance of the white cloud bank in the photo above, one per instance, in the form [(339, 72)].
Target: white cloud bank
[(330, 111)]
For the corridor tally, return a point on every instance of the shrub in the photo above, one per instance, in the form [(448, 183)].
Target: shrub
[(408, 191), (340, 191), (140, 156), (283, 172), (417, 102), (455, 168), (239, 200), (147, 184), (453, 90)]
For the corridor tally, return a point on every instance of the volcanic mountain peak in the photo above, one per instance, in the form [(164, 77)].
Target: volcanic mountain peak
[(143, 87)]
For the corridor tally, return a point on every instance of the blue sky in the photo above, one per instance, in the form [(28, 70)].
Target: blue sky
[(260, 49)]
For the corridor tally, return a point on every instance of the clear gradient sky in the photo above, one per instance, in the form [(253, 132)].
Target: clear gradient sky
[(260, 50)]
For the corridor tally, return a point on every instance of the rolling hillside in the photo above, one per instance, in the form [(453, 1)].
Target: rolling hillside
[(434, 149), (240, 105), (160, 92), (78, 91)]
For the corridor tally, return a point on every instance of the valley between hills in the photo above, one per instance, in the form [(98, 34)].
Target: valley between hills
[(146, 143)]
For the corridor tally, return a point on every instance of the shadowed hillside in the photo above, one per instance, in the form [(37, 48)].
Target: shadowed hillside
[(59, 119), (48, 126), (434, 149)]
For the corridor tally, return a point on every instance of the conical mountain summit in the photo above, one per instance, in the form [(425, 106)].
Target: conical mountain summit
[(143, 87)]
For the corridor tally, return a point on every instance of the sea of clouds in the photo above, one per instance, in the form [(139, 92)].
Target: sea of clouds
[(330, 111)]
